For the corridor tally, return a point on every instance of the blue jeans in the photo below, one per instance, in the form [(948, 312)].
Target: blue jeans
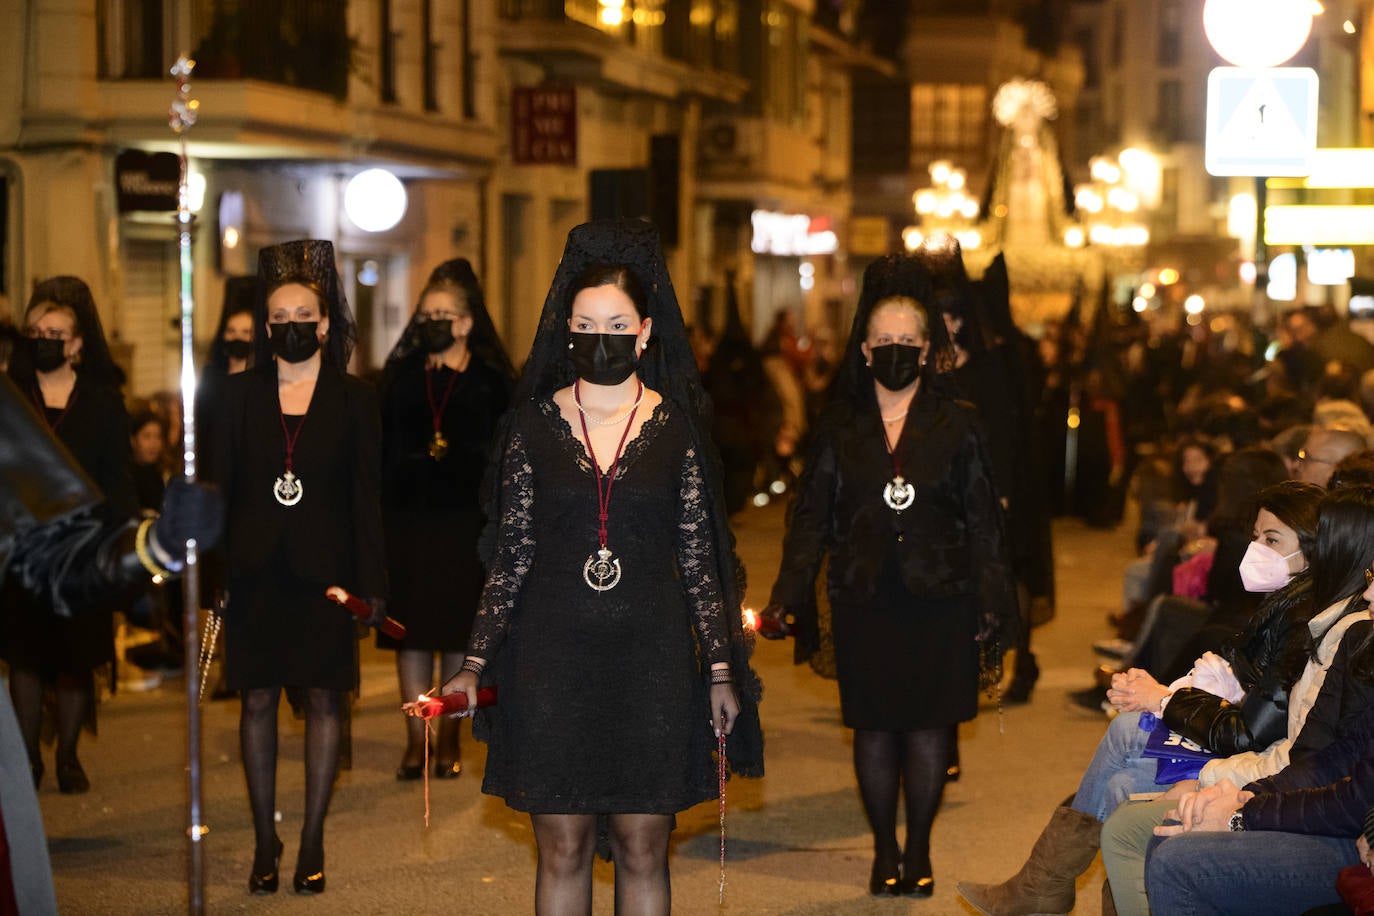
[(1255, 872), (1117, 770)]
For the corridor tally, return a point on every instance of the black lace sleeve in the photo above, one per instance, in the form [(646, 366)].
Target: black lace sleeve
[(514, 550), (696, 563)]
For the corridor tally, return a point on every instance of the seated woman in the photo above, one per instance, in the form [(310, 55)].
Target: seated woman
[(1179, 521), (1218, 599), (1267, 659), (1275, 847), (1338, 699)]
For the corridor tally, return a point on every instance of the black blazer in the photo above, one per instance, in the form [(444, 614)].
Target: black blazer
[(333, 536), (950, 542)]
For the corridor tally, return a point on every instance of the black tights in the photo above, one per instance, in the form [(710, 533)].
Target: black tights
[(415, 671), (913, 762), (258, 739), (567, 844), (74, 692)]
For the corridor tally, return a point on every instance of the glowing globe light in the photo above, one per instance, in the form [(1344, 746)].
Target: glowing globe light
[(1257, 33), (375, 200)]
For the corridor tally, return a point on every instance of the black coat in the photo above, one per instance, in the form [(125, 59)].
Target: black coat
[(1267, 659), (950, 542), (1326, 793), (334, 535)]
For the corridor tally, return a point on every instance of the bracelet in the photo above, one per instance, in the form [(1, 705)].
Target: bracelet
[(721, 676), (473, 665), (159, 573)]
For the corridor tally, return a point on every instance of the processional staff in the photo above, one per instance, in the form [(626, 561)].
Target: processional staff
[(181, 117)]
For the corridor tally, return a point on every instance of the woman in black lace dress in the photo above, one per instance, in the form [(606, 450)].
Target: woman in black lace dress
[(610, 617), (898, 491), (446, 384)]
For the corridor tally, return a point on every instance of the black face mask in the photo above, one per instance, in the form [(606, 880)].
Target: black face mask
[(47, 354), (604, 359), (895, 366), (238, 349), (435, 336), (295, 341)]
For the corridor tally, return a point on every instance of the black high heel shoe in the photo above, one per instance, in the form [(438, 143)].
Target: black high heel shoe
[(71, 779), (308, 884), (916, 887), (448, 770), (266, 883), (884, 882), (406, 772)]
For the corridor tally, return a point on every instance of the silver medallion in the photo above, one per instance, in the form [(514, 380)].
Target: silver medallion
[(601, 572), (898, 494), (288, 489)]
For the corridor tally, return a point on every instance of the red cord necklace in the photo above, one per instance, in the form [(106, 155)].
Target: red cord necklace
[(601, 572), (438, 445), (289, 489)]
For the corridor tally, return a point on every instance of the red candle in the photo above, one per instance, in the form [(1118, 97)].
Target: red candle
[(766, 626), (431, 707), (360, 609)]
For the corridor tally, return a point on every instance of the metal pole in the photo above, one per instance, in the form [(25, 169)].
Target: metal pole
[(182, 117)]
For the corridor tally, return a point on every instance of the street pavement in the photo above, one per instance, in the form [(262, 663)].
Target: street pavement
[(797, 840)]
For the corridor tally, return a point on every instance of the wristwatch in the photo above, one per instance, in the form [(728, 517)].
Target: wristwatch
[(1237, 820)]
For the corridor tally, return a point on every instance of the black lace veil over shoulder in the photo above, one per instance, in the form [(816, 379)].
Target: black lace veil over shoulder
[(309, 262), (483, 341), (668, 367)]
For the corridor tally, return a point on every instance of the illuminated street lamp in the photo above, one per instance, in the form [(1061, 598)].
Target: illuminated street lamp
[(944, 207), (1258, 33), (1107, 209)]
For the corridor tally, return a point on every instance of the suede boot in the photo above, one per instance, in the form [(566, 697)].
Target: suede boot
[(1044, 885)]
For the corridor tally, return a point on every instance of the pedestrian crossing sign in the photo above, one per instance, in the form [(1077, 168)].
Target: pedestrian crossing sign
[(1261, 122)]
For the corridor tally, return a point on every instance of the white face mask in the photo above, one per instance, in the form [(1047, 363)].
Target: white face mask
[(1264, 569)]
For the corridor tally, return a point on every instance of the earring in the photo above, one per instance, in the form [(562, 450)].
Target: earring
[(570, 345)]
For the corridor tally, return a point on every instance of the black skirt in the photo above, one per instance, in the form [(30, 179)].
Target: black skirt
[(280, 631), (906, 663)]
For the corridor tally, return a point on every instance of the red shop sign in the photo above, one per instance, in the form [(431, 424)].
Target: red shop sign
[(543, 126)]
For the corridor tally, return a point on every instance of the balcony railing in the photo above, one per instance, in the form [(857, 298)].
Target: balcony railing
[(300, 43)]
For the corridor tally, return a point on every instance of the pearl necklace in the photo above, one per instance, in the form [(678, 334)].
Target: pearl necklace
[(900, 416), (613, 421)]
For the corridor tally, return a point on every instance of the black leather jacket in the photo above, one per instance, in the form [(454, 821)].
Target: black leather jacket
[(1266, 660)]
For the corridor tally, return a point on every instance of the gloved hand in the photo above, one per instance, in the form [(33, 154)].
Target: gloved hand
[(378, 606), (189, 510)]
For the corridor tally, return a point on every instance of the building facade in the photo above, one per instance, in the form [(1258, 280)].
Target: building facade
[(508, 122), (295, 99)]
